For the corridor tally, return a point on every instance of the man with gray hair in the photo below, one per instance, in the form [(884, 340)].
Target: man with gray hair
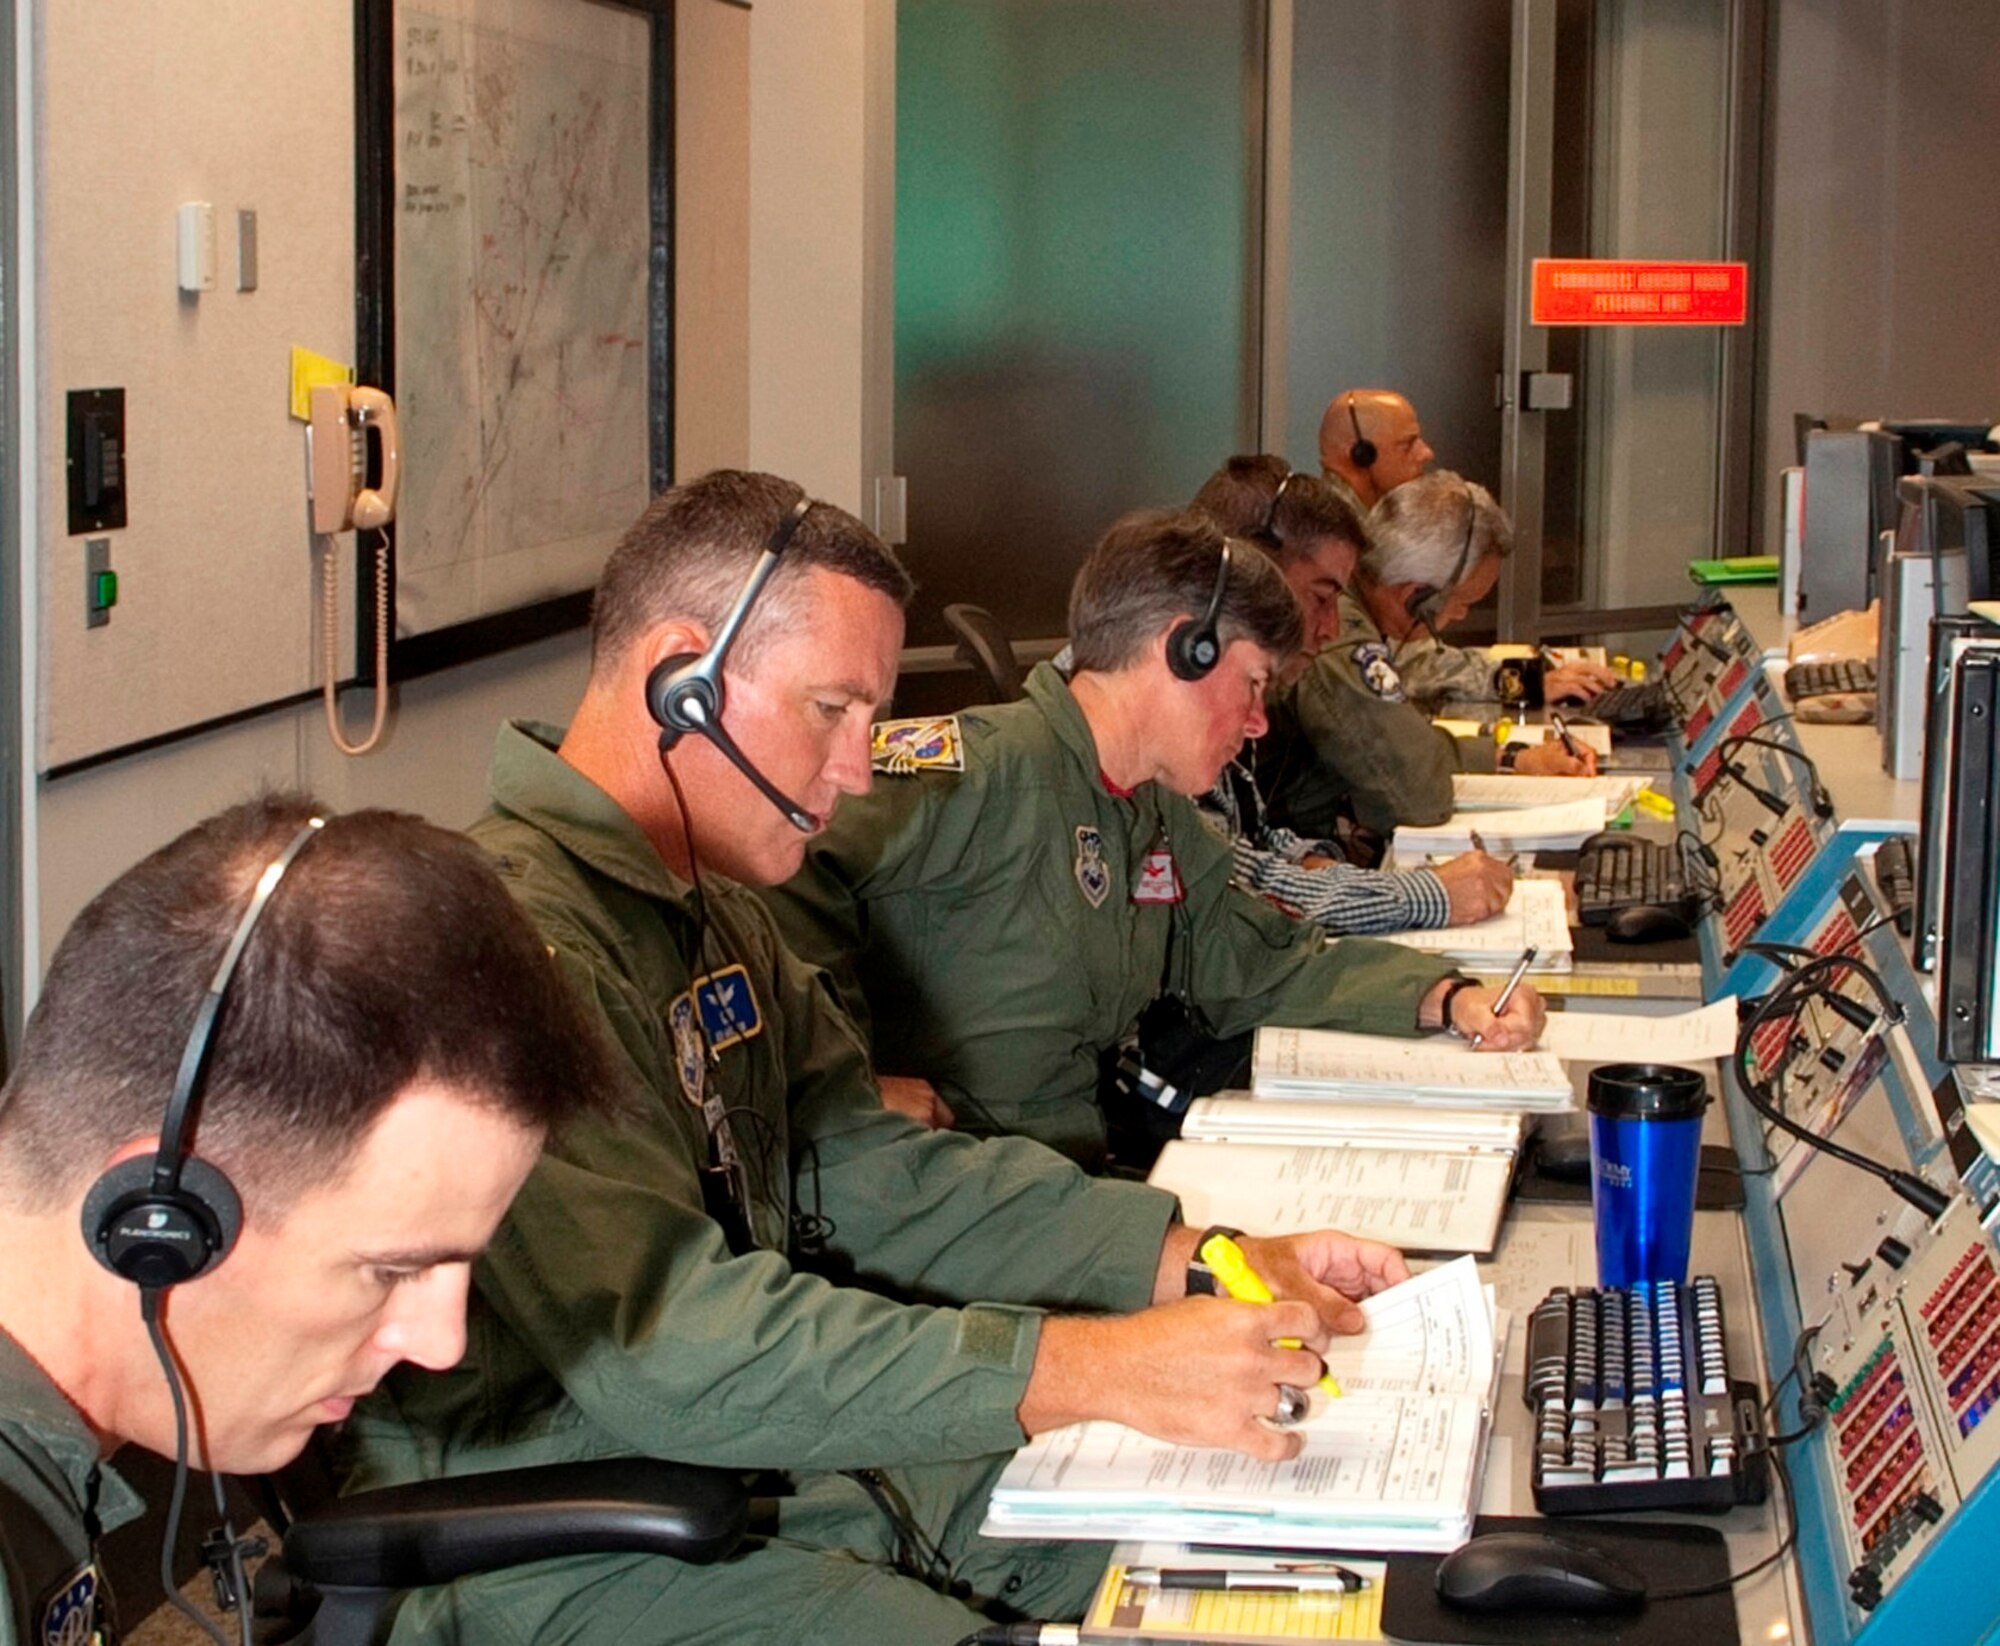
[(1437, 544)]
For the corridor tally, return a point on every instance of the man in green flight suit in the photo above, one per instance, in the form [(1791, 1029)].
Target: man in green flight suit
[(1435, 549), (372, 1112), (768, 1269), (1033, 876)]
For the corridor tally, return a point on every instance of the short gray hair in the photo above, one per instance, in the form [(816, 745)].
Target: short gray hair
[(1419, 532)]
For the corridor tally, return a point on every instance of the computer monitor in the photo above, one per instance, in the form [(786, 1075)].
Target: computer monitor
[(1850, 499), (1949, 639), (1968, 1012), (1923, 435), (1953, 514)]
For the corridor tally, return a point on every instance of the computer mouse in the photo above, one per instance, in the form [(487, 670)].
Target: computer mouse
[(1527, 1572), (1565, 1157), (1646, 923)]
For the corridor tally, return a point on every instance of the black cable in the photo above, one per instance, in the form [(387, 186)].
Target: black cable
[(149, 1311), (1723, 1585), (1788, 999)]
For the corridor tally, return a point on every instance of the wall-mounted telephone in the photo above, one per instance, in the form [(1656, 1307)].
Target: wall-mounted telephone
[(344, 416)]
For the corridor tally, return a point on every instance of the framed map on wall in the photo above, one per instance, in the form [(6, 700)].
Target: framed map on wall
[(514, 225)]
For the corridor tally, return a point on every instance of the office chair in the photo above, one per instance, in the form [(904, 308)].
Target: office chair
[(345, 1559), (984, 646)]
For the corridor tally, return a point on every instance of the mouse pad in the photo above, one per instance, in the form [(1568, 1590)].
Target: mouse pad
[(1718, 1186), (1667, 1556), (1593, 946)]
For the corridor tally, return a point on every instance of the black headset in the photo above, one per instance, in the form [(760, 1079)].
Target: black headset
[(164, 1221), (1362, 453), (1268, 532), (1194, 647), (684, 692), (1421, 606)]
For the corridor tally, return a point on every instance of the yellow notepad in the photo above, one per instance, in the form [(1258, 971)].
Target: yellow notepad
[(1121, 1611)]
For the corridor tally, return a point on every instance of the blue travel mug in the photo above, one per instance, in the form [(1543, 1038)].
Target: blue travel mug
[(1645, 1155)]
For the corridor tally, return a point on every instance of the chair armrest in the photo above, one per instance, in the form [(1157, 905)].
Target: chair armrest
[(433, 1531)]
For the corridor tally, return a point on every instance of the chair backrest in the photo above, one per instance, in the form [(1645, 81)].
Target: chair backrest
[(984, 645)]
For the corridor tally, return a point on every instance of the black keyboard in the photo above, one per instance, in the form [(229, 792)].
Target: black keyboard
[(1634, 1405), (1639, 708), (1845, 674), (1615, 870)]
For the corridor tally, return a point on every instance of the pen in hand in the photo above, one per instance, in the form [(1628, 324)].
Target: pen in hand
[(1562, 731), (1506, 994)]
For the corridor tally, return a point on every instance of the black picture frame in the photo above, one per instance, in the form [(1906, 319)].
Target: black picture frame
[(375, 36)]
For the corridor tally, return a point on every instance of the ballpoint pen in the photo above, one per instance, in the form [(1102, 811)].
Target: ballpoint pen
[(1234, 1275), (1339, 1582), (1507, 993), (1562, 731)]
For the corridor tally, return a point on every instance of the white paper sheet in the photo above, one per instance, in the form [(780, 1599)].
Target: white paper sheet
[(1536, 917), (1604, 1037), (1532, 828)]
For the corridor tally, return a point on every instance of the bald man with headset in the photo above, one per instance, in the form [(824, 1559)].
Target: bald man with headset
[(1371, 442)]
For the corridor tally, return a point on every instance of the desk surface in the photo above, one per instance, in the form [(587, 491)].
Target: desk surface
[(1849, 758)]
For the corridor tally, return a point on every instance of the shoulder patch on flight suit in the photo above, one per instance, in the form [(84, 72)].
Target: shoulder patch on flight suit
[(718, 1011), (1093, 874), (69, 1617), (1378, 673), (931, 743)]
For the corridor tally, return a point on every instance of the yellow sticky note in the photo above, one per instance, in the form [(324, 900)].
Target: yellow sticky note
[(309, 369)]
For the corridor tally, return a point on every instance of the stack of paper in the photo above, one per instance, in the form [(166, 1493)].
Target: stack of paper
[(1536, 917), (1419, 1200), (1327, 1064), (1505, 792), (1242, 1117), (1395, 1464), (1556, 828)]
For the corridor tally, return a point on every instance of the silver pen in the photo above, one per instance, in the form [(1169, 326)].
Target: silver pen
[(1259, 1582), (1506, 994)]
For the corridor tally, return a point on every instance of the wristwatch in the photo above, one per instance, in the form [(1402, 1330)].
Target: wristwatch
[(1459, 983), (1200, 1277)]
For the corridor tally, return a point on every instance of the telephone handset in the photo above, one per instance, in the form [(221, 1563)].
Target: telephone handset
[(343, 417)]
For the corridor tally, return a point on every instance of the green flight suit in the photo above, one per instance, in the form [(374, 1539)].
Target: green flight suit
[(1345, 741), (56, 1500), (611, 1316), (995, 925), (1437, 677)]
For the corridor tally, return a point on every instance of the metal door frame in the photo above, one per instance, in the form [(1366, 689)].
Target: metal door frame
[(1530, 158)]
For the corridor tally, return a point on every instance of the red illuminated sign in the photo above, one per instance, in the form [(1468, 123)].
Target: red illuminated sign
[(1604, 292)]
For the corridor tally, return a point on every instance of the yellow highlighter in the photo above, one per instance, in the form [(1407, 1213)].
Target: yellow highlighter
[(1234, 1275)]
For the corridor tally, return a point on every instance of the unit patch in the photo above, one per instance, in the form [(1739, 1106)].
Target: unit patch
[(1093, 874), (932, 743), (1159, 877), (70, 1615), (717, 1013), (1378, 673)]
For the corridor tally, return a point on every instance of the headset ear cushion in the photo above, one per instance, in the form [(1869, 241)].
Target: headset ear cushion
[(172, 1238), (658, 681), (1362, 453), (1192, 651)]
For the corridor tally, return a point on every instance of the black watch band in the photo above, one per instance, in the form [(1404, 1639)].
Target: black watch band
[(1200, 1277), (1459, 984)]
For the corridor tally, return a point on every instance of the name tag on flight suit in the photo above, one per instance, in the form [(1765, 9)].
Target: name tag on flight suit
[(1159, 878)]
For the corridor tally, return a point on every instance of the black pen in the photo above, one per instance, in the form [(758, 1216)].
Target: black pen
[(1562, 731), (1506, 994), (1259, 1582)]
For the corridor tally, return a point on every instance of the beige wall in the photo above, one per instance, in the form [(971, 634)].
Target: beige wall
[(769, 134)]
